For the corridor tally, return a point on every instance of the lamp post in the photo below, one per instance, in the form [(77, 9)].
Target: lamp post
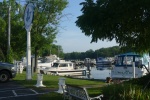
[(28, 18)]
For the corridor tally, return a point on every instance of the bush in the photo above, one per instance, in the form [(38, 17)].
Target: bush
[(143, 81), (125, 91)]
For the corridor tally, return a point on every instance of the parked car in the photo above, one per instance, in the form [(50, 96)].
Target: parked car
[(7, 71)]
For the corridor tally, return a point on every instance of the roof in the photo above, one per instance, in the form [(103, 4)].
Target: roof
[(130, 54)]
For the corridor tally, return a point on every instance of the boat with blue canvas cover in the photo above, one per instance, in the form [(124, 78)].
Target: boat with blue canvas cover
[(103, 63), (130, 65)]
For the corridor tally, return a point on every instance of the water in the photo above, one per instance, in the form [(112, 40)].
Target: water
[(96, 74)]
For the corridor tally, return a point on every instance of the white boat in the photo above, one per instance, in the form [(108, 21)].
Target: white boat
[(102, 63), (47, 61), (89, 62), (130, 65), (62, 67)]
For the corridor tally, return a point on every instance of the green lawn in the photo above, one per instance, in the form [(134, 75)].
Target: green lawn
[(51, 83)]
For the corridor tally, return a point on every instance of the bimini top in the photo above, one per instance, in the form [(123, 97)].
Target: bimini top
[(129, 54)]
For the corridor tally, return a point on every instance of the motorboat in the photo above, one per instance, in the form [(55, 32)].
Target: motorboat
[(102, 63), (62, 67), (88, 62), (47, 61), (130, 65)]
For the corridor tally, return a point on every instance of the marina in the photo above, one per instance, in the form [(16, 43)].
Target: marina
[(126, 66)]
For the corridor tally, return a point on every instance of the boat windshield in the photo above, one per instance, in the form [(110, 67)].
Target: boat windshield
[(127, 60), (55, 65)]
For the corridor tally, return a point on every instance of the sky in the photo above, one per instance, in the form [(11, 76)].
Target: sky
[(71, 38)]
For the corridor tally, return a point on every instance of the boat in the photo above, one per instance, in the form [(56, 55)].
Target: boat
[(130, 65), (103, 63), (88, 62), (47, 61), (62, 67)]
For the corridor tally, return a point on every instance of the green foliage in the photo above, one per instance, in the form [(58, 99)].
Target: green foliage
[(126, 21), (134, 89), (2, 25), (9, 57), (47, 15), (125, 92), (54, 49), (102, 52), (44, 30), (17, 36), (2, 58), (143, 81)]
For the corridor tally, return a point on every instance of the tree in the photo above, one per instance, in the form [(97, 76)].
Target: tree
[(126, 21), (44, 29), (17, 32), (102, 52), (54, 50), (47, 15)]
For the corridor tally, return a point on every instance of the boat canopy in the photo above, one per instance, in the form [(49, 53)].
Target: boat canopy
[(130, 54), (126, 59)]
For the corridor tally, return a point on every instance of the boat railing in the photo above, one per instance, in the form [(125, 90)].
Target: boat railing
[(145, 68)]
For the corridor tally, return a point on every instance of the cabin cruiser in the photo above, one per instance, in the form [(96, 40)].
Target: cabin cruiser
[(103, 63), (130, 65), (47, 61), (62, 67)]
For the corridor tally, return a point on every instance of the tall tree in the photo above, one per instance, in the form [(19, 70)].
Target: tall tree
[(47, 15), (126, 21), (16, 30), (44, 29)]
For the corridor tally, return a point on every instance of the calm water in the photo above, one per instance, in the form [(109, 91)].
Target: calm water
[(96, 74)]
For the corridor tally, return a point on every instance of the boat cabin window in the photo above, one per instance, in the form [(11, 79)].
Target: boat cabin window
[(128, 60), (63, 65), (118, 61), (137, 59), (55, 65), (70, 64)]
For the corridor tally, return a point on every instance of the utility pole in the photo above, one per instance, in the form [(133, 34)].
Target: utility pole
[(58, 51), (9, 30)]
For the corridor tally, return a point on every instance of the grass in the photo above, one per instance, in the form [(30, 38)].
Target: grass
[(51, 83), (133, 89)]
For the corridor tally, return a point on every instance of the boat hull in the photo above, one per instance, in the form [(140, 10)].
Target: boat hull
[(66, 72)]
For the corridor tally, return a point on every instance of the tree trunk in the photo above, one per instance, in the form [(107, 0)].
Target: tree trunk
[(36, 59)]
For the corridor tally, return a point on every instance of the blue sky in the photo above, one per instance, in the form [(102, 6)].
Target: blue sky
[(71, 37)]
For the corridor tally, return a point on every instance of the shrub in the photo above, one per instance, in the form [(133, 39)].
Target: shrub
[(125, 91)]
